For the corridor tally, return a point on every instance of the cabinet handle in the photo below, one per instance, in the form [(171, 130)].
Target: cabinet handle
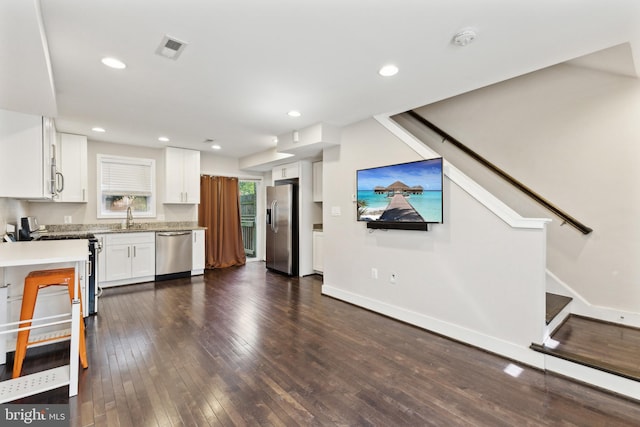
[(129, 252), (134, 251), (186, 196), (83, 195), (59, 182)]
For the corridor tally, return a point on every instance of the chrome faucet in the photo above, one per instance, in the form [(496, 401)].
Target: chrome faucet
[(129, 217)]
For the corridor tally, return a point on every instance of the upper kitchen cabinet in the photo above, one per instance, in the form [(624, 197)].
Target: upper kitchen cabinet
[(182, 176), (26, 148), (71, 156), (288, 171)]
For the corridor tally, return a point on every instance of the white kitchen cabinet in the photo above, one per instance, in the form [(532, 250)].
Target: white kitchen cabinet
[(128, 258), (71, 156), (198, 252), (287, 171), (26, 149), (317, 181), (318, 264), (182, 176)]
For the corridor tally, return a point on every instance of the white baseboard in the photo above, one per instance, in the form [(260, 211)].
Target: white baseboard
[(491, 344), (582, 307)]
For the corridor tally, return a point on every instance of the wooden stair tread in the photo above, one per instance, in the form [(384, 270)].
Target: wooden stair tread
[(554, 305), (606, 346)]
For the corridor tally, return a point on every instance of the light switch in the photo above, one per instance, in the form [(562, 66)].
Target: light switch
[(336, 211)]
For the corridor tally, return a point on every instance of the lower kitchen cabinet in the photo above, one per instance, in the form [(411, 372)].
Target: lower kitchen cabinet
[(198, 252), (128, 258)]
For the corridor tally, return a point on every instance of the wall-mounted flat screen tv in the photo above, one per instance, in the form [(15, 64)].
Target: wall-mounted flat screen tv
[(401, 196)]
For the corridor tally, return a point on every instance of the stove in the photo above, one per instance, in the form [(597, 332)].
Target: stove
[(90, 294), (87, 236)]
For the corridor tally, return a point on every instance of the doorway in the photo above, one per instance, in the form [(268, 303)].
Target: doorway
[(248, 216)]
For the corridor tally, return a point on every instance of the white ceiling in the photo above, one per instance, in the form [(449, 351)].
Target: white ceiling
[(248, 62)]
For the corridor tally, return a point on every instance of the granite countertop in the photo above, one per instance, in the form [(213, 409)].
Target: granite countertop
[(60, 229)]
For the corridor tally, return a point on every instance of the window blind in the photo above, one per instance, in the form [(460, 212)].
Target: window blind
[(124, 176)]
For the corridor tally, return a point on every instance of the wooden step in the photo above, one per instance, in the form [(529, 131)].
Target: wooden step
[(555, 304), (608, 347)]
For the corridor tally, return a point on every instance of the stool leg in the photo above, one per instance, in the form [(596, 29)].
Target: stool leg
[(82, 348), (30, 294)]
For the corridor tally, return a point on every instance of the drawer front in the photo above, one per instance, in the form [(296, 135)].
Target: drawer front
[(130, 238)]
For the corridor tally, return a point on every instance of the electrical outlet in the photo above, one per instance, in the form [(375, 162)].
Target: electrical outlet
[(374, 273), (393, 279), (68, 219)]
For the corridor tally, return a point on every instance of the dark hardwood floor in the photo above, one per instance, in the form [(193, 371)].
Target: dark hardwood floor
[(242, 346)]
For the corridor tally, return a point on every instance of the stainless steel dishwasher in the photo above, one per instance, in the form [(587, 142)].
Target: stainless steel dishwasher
[(173, 254)]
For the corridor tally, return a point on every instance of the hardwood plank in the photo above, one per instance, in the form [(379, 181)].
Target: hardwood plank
[(554, 305), (244, 346), (611, 347)]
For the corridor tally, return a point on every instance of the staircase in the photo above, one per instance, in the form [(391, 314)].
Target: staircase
[(600, 359), (557, 311), (601, 353)]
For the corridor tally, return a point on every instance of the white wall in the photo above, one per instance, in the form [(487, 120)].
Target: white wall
[(212, 164), (473, 278), (54, 213), (86, 213), (571, 134), (11, 211)]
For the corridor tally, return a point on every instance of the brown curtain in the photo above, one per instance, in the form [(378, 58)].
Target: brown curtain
[(219, 211)]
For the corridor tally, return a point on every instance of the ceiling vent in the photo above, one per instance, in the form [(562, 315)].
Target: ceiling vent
[(170, 47)]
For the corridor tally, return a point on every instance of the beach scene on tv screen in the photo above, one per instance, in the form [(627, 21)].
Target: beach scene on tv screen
[(408, 192)]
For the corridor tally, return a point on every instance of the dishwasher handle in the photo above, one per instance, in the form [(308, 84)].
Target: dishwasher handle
[(173, 233)]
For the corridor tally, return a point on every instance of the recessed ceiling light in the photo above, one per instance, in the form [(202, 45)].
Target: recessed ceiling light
[(294, 113), (114, 63), (216, 147), (163, 139), (98, 129), (388, 70)]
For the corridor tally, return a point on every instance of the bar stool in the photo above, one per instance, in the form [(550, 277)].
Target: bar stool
[(35, 281)]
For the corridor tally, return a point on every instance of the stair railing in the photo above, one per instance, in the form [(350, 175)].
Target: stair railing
[(566, 218)]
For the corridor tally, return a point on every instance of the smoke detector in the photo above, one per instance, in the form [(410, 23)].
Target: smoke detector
[(170, 47), (464, 37)]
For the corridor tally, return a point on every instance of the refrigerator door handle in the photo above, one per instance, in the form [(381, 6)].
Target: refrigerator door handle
[(274, 216)]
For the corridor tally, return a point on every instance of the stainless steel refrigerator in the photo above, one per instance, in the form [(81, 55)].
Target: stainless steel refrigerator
[(282, 228)]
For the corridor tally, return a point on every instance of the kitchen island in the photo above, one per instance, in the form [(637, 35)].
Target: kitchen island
[(38, 254)]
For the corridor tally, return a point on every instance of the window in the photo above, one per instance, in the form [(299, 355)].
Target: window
[(126, 182)]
